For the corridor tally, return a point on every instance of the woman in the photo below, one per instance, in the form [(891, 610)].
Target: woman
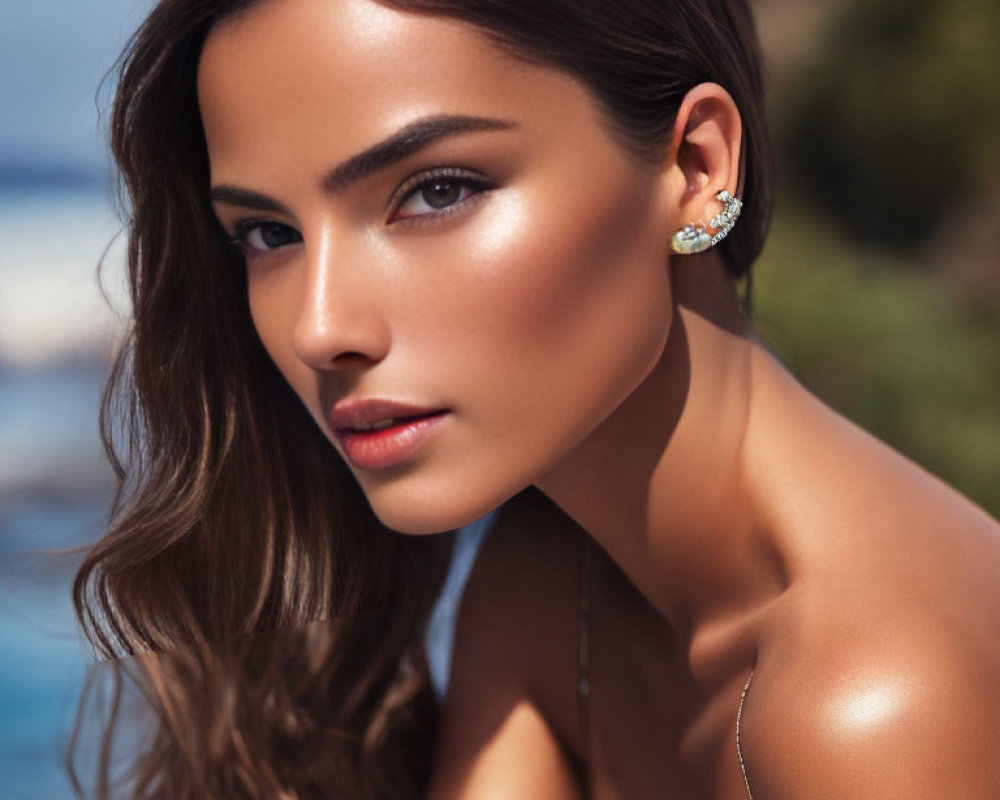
[(487, 246)]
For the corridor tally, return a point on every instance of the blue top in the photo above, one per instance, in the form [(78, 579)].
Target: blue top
[(440, 637)]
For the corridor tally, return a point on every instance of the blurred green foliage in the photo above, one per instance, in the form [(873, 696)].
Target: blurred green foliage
[(898, 117), (884, 346), (885, 140)]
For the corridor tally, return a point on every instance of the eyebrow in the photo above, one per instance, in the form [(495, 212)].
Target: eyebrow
[(405, 142)]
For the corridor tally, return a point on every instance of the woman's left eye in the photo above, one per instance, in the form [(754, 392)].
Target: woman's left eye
[(263, 236), (439, 194)]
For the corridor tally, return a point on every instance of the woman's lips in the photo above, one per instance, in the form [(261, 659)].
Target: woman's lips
[(379, 434)]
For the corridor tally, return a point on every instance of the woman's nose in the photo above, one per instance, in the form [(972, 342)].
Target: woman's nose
[(339, 317)]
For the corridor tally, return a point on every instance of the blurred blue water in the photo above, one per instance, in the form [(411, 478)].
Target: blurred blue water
[(55, 482), (42, 659), (49, 415)]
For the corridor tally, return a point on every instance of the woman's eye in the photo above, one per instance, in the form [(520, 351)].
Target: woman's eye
[(266, 236), (439, 196)]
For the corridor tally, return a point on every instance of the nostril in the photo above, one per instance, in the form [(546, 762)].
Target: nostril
[(352, 356)]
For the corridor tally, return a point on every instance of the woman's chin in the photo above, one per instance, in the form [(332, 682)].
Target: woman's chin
[(428, 513), (413, 524)]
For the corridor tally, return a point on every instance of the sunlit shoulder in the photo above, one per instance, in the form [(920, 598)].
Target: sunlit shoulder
[(905, 708)]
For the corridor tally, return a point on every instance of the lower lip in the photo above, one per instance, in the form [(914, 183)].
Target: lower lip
[(391, 446)]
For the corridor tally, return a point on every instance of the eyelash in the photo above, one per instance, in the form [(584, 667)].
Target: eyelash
[(245, 228), (410, 188), (452, 176)]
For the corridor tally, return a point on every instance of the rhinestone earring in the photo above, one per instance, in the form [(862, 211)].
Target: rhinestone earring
[(695, 239)]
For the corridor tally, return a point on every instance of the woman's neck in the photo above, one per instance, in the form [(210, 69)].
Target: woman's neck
[(661, 485)]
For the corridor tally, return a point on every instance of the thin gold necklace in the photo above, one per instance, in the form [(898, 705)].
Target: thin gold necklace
[(739, 719)]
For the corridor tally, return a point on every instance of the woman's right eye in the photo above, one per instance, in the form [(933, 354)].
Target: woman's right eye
[(264, 237)]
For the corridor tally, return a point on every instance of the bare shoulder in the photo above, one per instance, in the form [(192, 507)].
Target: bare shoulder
[(523, 587), (881, 677), (516, 634), (902, 706), (508, 712)]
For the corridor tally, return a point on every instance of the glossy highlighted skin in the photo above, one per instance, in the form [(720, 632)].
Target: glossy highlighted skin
[(458, 263), (511, 271), (234, 514)]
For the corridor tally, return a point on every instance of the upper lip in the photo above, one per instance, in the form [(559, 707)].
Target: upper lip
[(350, 414)]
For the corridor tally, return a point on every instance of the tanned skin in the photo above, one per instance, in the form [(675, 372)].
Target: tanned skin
[(573, 353)]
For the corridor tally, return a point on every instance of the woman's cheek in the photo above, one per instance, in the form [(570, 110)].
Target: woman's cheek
[(549, 326), (576, 281)]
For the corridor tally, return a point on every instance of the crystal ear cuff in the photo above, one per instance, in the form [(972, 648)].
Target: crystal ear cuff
[(695, 239)]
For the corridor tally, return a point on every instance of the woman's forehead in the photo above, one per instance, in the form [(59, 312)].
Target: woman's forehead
[(282, 79), (362, 57)]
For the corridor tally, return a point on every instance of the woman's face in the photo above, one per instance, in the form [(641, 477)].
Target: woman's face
[(500, 272)]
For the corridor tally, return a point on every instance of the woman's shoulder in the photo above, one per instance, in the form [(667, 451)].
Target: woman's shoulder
[(878, 674), (860, 698), (521, 595), (509, 709)]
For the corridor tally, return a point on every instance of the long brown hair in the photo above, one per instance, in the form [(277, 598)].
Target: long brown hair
[(273, 623)]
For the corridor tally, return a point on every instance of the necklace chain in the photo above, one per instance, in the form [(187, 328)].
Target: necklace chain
[(583, 685), (739, 720)]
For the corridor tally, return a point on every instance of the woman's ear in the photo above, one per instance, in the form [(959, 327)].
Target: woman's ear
[(705, 154)]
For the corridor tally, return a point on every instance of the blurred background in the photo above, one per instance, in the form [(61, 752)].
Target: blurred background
[(56, 337), (880, 286)]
